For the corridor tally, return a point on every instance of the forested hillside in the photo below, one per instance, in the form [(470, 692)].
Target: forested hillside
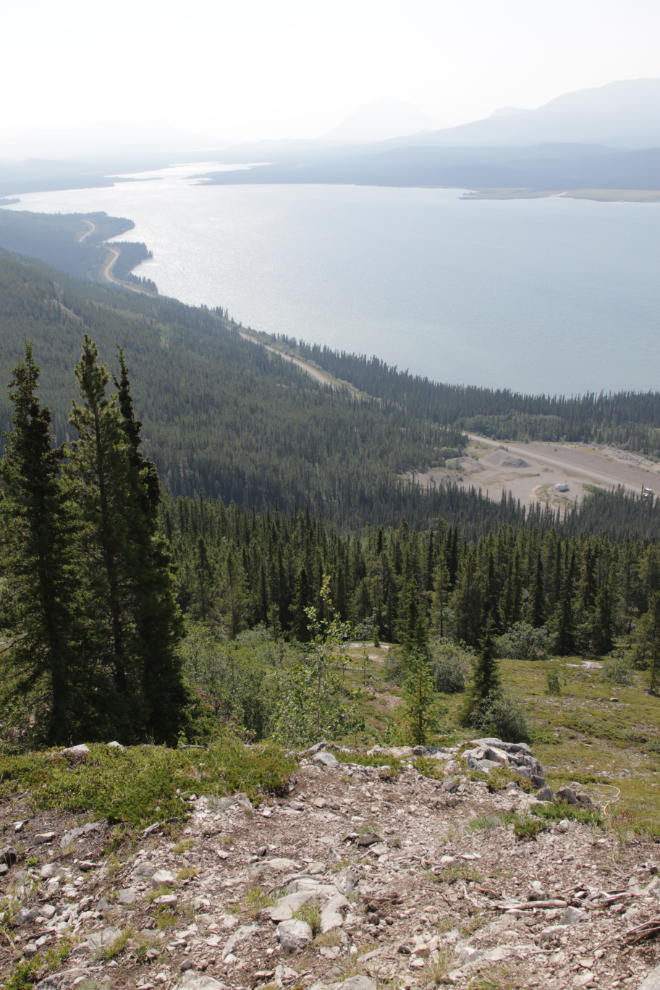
[(238, 423), (220, 415), (72, 243), (629, 420)]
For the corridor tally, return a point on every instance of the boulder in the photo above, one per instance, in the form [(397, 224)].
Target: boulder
[(116, 745), (44, 837), (80, 752), (285, 907), (294, 935), (145, 869), (101, 940), (358, 983), (567, 794), (198, 981), (584, 801), (326, 760), (161, 878), (545, 794)]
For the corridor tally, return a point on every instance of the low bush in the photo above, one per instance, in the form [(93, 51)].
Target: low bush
[(617, 670), (502, 716), (523, 642), (142, 784), (450, 667)]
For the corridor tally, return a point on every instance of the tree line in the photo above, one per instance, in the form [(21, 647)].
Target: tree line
[(630, 420), (239, 570)]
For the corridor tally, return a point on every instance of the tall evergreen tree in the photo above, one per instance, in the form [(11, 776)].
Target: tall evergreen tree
[(127, 561), (42, 599), (155, 618)]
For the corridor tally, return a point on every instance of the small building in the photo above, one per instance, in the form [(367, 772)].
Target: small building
[(562, 487)]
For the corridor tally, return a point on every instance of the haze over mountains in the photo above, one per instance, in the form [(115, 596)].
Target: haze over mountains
[(601, 138), (382, 120)]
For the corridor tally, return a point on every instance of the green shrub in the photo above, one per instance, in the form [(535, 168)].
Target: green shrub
[(528, 828), (450, 667), (502, 716), (523, 642), (617, 670), (141, 784), (554, 687)]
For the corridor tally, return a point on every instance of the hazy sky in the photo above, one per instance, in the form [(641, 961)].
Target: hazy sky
[(295, 68)]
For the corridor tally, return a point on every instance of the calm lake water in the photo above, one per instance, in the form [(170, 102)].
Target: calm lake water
[(553, 295)]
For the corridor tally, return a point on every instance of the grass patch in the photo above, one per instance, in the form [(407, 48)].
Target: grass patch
[(139, 784), (457, 871), (181, 847), (159, 892), (428, 768), (254, 900), (187, 873), (117, 947), (491, 820), (559, 811), (310, 914), (528, 828)]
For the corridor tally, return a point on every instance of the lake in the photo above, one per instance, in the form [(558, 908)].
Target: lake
[(553, 295)]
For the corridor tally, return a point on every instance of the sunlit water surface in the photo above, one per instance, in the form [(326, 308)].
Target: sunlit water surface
[(553, 294)]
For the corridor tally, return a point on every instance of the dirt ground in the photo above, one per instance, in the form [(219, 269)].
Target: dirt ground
[(419, 882), (530, 471)]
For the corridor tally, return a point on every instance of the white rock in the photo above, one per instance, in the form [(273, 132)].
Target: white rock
[(144, 870), (468, 954), (197, 981), (127, 896), (116, 745), (280, 864), (241, 933), (166, 900), (334, 913), (78, 751), (326, 759), (294, 935), (653, 889), (283, 910), (358, 983), (101, 940), (572, 916), (652, 981), (162, 877)]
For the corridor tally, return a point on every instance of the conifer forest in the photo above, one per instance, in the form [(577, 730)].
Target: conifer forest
[(193, 530)]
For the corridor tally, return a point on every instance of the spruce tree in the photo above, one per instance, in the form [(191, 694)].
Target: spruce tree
[(441, 591), (537, 604), (43, 600), (127, 561), (154, 616), (486, 682), (420, 700)]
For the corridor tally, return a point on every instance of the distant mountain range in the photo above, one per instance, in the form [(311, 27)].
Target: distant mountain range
[(623, 114), (603, 138)]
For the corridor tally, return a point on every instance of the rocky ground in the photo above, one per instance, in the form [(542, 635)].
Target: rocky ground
[(359, 877)]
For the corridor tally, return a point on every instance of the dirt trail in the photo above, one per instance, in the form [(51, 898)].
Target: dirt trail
[(318, 375)]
